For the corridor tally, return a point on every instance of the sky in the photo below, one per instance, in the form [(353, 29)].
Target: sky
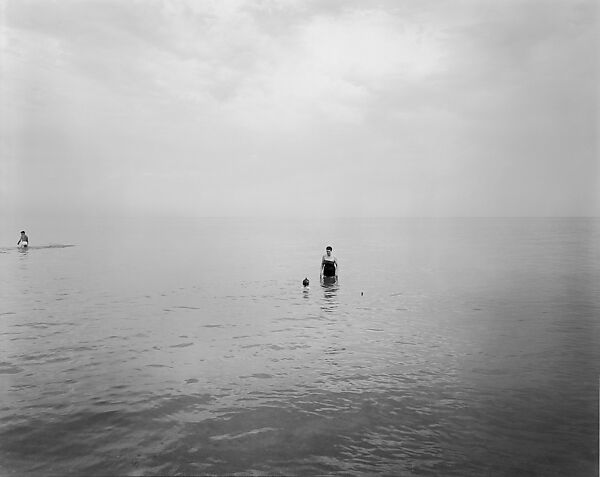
[(299, 108)]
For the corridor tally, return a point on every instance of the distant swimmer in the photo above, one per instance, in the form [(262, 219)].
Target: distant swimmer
[(305, 283), (329, 265), (24, 240)]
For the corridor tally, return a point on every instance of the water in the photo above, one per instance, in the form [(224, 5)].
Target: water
[(448, 347)]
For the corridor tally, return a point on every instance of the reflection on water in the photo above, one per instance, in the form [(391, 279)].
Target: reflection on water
[(330, 286), (153, 360)]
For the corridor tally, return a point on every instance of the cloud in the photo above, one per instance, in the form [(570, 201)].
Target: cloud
[(384, 108), (218, 54)]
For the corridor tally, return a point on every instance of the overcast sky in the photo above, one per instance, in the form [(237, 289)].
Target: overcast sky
[(299, 108)]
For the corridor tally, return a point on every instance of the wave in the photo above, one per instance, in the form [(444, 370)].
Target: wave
[(35, 247)]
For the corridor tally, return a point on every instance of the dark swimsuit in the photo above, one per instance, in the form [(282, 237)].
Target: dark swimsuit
[(329, 268)]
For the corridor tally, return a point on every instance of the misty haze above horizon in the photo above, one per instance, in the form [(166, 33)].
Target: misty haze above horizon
[(322, 108)]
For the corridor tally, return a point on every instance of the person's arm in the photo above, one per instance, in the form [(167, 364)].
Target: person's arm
[(19, 242), (322, 266)]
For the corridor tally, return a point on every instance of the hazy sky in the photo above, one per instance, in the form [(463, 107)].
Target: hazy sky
[(299, 108)]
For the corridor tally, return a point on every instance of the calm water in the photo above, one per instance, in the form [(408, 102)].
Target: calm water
[(448, 347)]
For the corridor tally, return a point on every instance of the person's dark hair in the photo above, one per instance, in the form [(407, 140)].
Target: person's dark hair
[(328, 247), (22, 231)]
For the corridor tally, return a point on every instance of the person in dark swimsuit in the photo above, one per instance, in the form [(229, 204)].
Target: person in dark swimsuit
[(329, 264)]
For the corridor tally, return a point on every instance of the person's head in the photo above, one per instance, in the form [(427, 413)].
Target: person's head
[(22, 232), (328, 249), (305, 282)]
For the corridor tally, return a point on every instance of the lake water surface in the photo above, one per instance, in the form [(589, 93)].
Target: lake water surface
[(448, 347)]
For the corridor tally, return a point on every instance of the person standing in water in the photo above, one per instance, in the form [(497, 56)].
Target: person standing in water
[(24, 240), (329, 264)]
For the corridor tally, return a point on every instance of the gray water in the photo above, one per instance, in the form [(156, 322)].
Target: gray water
[(448, 347)]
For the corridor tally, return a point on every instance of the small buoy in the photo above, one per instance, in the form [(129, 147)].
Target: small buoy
[(361, 293)]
